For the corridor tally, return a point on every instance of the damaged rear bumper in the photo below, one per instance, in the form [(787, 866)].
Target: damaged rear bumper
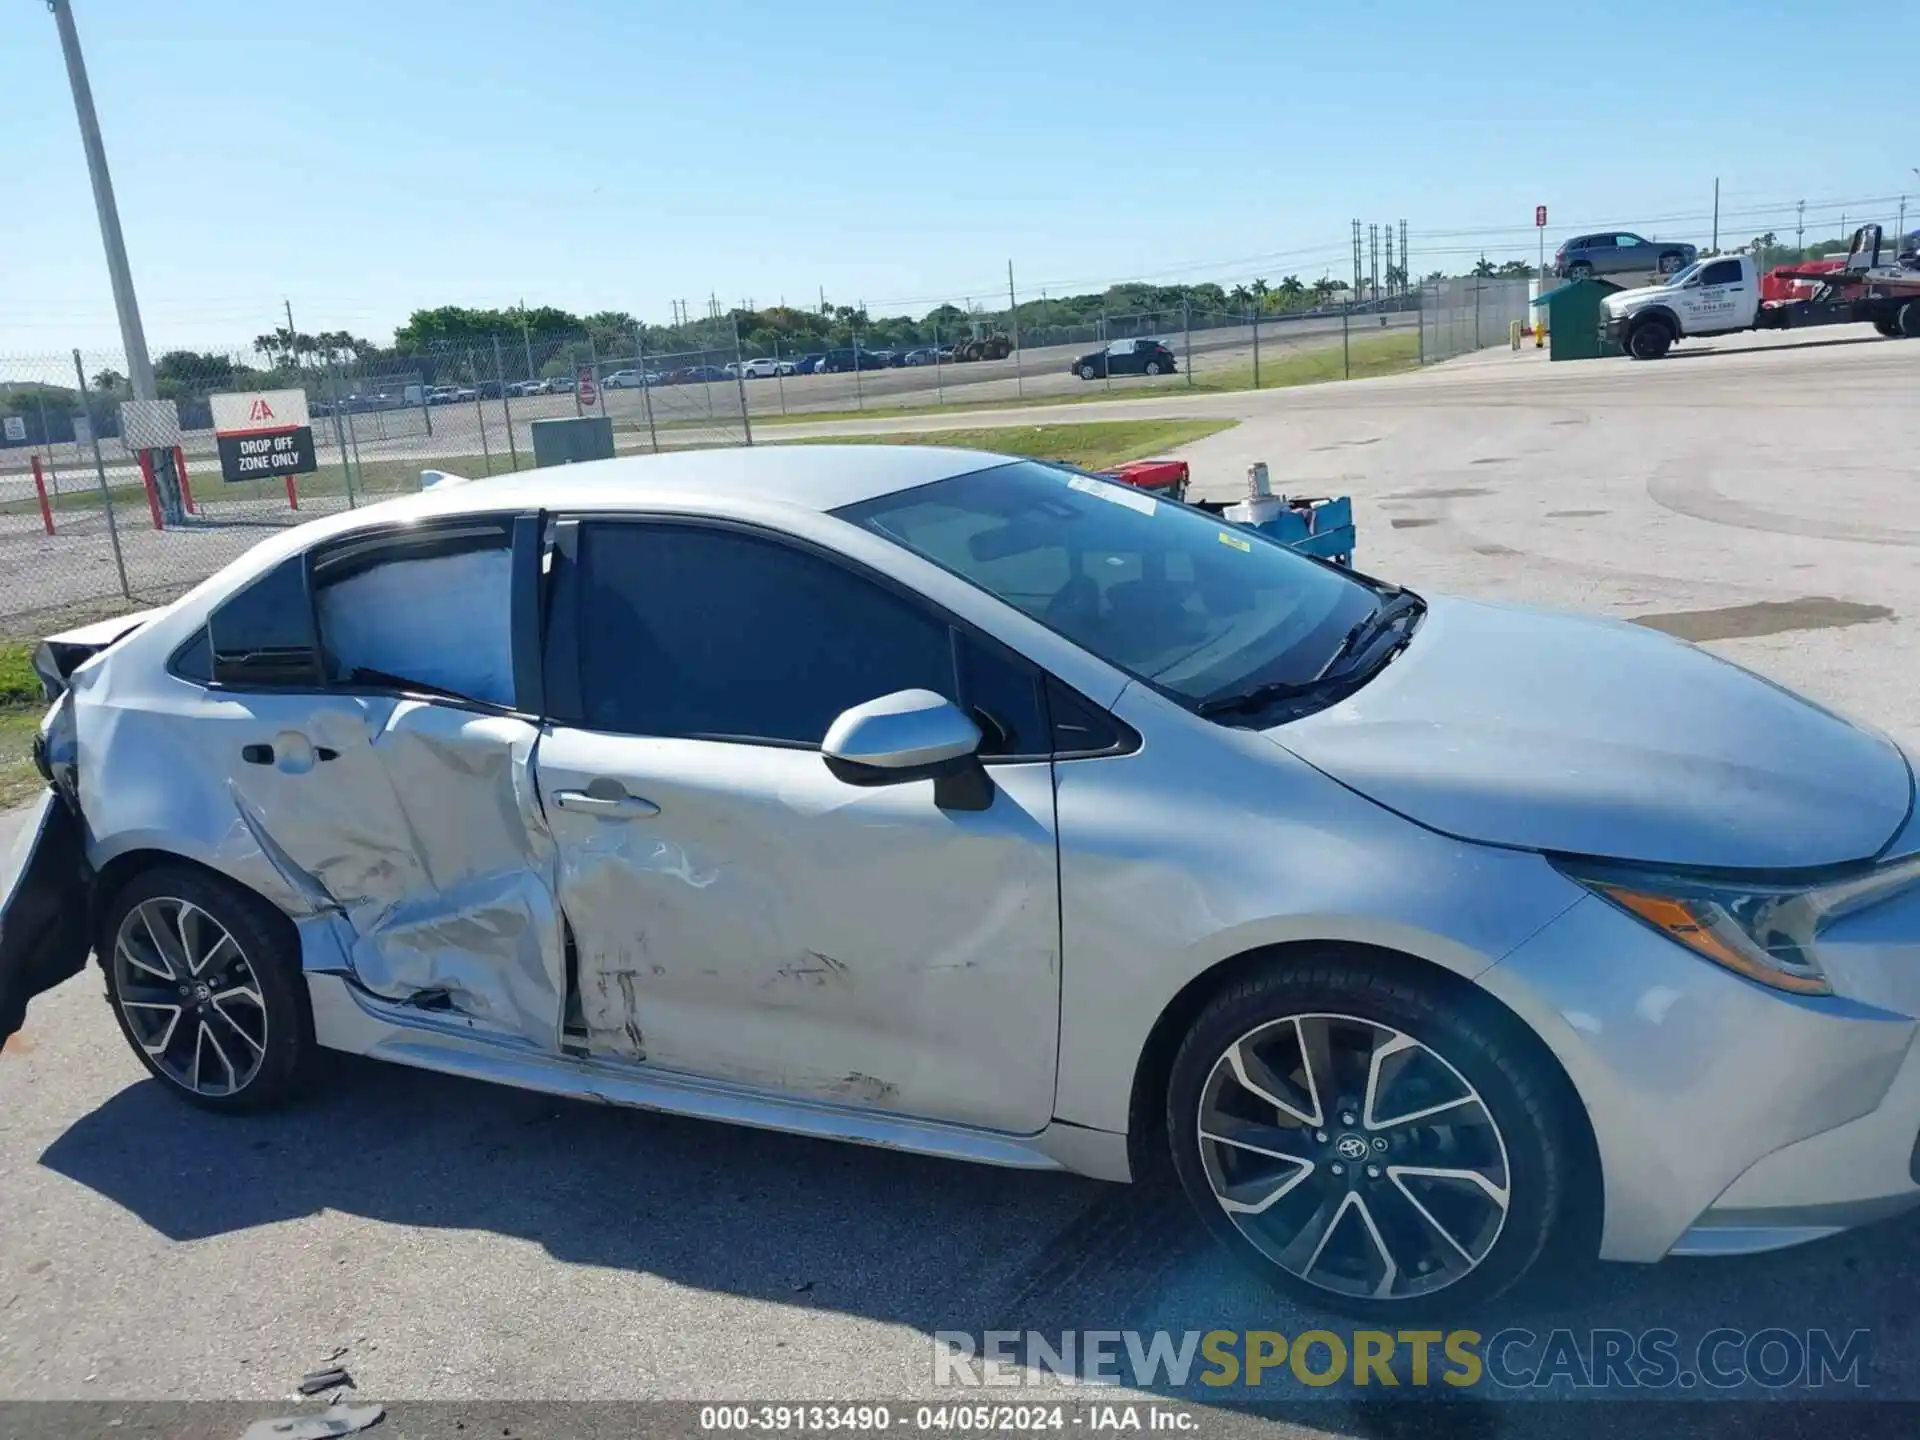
[(44, 907)]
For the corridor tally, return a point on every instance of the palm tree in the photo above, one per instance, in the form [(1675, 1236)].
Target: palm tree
[(1259, 289), (1324, 287), (1240, 295), (1484, 268), (1290, 291)]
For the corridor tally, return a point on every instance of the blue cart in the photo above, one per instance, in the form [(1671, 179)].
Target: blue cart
[(1313, 525)]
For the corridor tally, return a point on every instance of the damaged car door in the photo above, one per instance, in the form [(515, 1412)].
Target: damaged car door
[(740, 913), (368, 713)]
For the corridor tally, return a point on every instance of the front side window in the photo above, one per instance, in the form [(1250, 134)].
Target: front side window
[(1194, 606), (1721, 272), (712, 633)]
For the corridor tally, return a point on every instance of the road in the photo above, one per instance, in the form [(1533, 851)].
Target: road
[(460, 1242)]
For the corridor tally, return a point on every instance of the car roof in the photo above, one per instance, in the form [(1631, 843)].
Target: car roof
[(811, 477)]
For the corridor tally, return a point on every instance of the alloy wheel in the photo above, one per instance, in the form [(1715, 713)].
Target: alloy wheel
[(189, 996), (1353, 1156)]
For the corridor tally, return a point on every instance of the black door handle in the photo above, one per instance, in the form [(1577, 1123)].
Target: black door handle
[(257, 754)]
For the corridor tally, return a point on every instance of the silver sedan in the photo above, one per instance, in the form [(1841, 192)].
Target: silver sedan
[(988, 809)]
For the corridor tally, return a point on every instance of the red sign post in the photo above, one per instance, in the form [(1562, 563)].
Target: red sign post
[(589, 392), (1540, 216)]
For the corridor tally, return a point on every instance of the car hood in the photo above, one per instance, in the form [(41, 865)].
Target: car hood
[(1595, 737), (1623, 300)]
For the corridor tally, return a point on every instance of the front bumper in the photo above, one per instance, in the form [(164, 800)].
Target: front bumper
[(1615, 330), (1729, 1117)]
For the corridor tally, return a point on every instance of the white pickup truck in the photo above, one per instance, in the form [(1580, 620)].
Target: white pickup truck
[(1721, 294)]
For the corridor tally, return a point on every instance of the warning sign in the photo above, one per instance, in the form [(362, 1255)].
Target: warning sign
[(589, 390), (263, 434)]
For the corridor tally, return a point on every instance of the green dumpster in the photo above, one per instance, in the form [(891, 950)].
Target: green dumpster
[(1576, 324)]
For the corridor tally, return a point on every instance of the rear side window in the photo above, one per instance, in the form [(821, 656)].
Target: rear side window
[(263, 636), (712, 633), (1721, 272), (428, 611)]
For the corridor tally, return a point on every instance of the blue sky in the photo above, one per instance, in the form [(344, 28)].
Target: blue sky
[(362, 159)]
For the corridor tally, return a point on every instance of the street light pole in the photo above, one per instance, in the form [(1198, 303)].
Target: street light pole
[(139, 367)]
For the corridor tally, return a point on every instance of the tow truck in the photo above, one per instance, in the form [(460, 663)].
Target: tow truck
[(1722, 294)]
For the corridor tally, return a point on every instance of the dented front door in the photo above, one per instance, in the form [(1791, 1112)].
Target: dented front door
[(740, 914), (417, 824)]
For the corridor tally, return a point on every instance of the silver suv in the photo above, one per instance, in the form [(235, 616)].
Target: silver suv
[(1617, 252)]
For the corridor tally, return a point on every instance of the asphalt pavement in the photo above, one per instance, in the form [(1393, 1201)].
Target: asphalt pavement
[(447, 1241)]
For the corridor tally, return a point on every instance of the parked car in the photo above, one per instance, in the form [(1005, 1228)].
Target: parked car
[(442, 395), (466, 393), (556, 385), (519, 388), (1421, 935), (808, 364), (844, 359), (1619, 252), (621, 380), (765, 368), (925, 355), (696, 375), (1126, 357)]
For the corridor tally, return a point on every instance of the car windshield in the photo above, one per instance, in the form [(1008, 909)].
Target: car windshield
[(1681, 277), (1194, 606)]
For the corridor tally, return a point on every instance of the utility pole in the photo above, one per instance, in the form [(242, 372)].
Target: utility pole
[(1406, 265), (292, 353), (1800, 229), (1013, 319), (1716, 214), (526, 338), (1373, 244), (1356, 262), (132, 337)]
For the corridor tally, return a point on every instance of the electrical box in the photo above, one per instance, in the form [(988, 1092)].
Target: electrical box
[(567, 441)]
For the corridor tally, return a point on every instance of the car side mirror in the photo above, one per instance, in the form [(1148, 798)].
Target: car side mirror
[(911, 735)]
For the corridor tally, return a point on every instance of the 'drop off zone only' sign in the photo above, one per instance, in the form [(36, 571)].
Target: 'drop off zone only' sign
[(263, 434)]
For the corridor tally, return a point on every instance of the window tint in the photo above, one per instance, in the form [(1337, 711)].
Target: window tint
[(1598, 242), (1002, 693), (1721, 272), (263, 636), (710, 632), (1628, 241), (430, 611)]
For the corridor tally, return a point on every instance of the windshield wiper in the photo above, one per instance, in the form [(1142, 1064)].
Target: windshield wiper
[(1258, 697), (1399, 605), (1402, 605)]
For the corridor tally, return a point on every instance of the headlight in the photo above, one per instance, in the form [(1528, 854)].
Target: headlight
[(1763, 932)]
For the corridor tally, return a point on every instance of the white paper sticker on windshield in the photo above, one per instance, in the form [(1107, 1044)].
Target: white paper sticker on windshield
[(1114, 494)]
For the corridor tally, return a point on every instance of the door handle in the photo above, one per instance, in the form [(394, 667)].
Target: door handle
[(622, 807)]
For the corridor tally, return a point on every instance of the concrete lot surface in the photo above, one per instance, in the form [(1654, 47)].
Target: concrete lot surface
[(455, 1241)]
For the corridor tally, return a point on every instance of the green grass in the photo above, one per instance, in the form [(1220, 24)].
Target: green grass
[(1370, 355), (21, 706), (1092, 446)]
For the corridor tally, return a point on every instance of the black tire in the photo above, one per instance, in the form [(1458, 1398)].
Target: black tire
[(1087, 372), (1910, 320), (1153, 367), (1888, 328), (268, 945), (1650, 339), (1579, 270), (1477, 1046)]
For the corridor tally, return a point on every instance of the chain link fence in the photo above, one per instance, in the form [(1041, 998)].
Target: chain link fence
[(86, 526), (1460, 316)]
